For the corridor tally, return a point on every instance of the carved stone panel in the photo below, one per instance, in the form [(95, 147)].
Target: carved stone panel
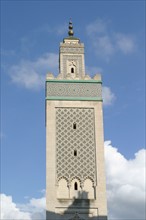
[(69, 58), (73, 50), (75, 144)]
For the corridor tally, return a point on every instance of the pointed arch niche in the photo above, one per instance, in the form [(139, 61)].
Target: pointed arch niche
[(62, 191), (89, 189)]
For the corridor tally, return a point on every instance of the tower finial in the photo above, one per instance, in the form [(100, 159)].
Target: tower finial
[(70, 31)]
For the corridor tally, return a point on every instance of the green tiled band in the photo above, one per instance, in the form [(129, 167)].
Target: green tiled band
[(74, 98), (73, 81)]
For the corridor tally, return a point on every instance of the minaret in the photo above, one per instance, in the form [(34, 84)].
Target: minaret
[(75, 175), (71, 56)]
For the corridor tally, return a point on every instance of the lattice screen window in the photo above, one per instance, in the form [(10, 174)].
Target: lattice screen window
[(75, 143)]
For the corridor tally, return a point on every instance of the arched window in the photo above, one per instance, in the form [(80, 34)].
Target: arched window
[(74, 126), (75, 152), (75, 186), (72, 70)]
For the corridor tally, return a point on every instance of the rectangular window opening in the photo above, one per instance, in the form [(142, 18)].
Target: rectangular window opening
[(75, 152), (74, 126)]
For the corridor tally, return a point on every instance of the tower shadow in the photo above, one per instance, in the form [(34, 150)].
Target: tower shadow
[(80, 209)]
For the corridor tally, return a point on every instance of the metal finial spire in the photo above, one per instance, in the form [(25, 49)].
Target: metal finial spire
[(70, 31)]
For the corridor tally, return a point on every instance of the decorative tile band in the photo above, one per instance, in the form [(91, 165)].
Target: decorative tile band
[(73, 98), (74, 81), (56, 90)]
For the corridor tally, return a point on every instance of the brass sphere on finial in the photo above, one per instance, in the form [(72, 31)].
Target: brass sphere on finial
[(70, 31)]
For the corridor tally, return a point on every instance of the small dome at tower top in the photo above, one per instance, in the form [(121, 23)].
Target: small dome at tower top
[(70, 31)]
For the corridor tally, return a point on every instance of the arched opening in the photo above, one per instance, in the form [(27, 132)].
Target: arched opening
[(88, 187), (74, 126), (75, 186), (75, 153), (62, 189), (72, 70)]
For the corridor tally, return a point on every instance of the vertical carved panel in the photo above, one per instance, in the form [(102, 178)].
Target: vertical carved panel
[(68, 140)]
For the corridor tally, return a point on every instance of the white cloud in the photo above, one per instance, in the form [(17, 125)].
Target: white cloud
[(125, 184), (38, 203), (125, 43), (98, 26), (9, 210), (125, 190), (106, 42), (31, 74), (33, 210), (108, 96), (104, 46), (37, 208)]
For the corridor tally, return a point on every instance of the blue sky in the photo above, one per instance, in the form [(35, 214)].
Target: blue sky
[(114, 36)]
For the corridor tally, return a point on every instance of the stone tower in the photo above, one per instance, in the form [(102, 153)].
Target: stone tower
[(75, 175)]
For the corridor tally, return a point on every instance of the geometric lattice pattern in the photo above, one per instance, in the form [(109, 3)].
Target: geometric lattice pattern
[(62, 89), (75, 144)]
